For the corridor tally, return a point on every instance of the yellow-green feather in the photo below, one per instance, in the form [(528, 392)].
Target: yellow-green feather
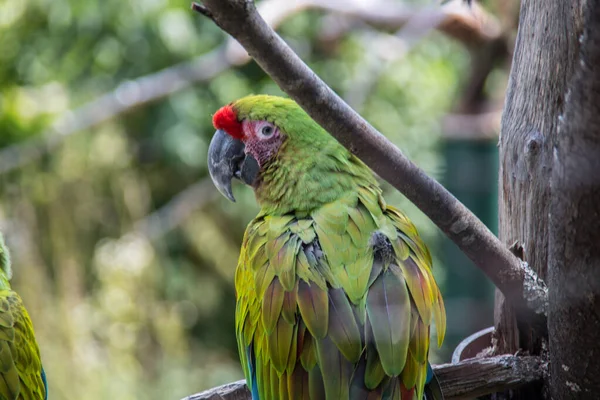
[(20, 363), (318, 303)]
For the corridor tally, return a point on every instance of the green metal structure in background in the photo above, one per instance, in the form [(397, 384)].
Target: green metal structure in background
[(472, 176)]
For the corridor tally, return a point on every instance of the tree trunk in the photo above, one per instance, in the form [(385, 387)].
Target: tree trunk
[(545, 55), (574, 260)]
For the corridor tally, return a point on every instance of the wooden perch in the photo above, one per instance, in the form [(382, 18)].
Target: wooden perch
[(465, 380), (518, 282)]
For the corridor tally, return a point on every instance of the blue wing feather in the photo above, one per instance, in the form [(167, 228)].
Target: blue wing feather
[(43, 374), (251, 361)]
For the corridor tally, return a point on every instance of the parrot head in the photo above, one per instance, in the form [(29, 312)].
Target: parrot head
[(242, 146), (291, 162), (257, 135)]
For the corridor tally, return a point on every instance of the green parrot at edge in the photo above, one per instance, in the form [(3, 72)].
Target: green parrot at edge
[(334, 289), (23, 377)]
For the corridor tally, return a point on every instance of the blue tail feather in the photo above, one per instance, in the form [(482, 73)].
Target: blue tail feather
[(43, 375), (251, 363), (433, 391)]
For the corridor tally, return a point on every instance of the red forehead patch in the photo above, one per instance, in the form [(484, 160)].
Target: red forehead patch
[(226, 119)]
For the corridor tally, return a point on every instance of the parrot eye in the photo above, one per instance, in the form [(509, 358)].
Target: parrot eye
[(267, 131)]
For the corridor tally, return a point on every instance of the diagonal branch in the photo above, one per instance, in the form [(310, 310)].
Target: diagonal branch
[(465, 380), (520, 285)]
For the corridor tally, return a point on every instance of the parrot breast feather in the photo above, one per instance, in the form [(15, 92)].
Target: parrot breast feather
[(336, 304)]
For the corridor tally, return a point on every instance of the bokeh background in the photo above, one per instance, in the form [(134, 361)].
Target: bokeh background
[(123, 252)]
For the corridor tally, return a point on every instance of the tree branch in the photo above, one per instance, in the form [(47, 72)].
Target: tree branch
[(465, 380), (241, 19)]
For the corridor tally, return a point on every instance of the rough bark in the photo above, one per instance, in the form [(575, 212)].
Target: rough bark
[(574, 259), (465, 380), (543, 62), (240, 19)]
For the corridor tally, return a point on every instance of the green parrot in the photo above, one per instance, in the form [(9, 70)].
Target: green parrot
[(335, 295), (23, 377)]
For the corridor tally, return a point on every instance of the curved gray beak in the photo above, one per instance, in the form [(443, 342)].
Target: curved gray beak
[(227, 160)]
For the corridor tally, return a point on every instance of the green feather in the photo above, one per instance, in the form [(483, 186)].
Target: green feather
[(316, 387), (374, 373), (336, 370), (263, 278), (327, 316), (410, 371), (388, 309), (418, 288), (298, 384), (285, 262), (308, 357), (343, 329), (290, 305), (303, 228), (271, 305), (307, 271), (314, 308)]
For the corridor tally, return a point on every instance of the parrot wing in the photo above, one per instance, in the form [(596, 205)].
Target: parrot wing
[(336, 305), (20, 363)]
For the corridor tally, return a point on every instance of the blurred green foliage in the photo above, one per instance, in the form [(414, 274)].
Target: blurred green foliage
[(118, 314)]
